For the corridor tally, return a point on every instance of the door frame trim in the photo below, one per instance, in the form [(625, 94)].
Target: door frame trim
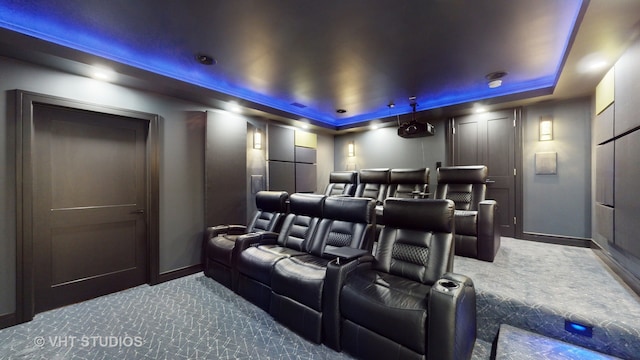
[(24, 103)]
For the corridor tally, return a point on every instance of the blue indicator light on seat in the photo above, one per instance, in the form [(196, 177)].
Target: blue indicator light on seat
[(578, 329)]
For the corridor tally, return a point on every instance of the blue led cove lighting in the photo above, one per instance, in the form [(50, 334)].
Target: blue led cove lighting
[(33, 19)]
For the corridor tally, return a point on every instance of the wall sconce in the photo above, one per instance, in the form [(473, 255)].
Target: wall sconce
[(351, 149), (546, 128), (257, 139)]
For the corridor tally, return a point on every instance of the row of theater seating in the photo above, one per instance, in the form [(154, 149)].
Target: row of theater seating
[(309, 264), (380, 184), (477, 227)]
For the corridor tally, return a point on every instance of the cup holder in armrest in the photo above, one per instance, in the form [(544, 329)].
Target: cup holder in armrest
[(447, 285)]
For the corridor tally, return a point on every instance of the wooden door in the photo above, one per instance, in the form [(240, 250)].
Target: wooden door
[(490, 139), (89, 205)]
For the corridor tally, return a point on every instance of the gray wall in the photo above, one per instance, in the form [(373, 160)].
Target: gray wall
[(559, 204), (553, 204), (383, 148), (181, 163)]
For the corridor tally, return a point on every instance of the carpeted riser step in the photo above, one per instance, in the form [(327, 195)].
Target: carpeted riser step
[(609, 337)]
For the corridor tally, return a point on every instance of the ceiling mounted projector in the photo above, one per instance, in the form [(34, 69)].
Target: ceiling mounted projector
[(415, 128)]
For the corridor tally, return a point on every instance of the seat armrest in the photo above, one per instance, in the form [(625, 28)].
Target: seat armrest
[(334, 280), (345, 253), (242, 243), (268, 238), (237, 230), (488, 230), (213, 231), (452, 318)]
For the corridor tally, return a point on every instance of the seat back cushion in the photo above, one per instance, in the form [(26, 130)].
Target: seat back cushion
[(403, 182), (346, 222), (464, 185), (373, 184), (299, 225), (341, 183), (417, 239), (271, 207)]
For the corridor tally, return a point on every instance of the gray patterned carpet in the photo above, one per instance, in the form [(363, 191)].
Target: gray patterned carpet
[(535, 286), (530, 286), (189, 318)]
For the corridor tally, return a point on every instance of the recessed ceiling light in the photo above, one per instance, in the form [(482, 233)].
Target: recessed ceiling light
[(494, 83), (234, 107), (205, 59), (592, 63), (495, 78), (479, 108), (341, 111), (102, 73)]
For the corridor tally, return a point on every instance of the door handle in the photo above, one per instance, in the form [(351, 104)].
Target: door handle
[(490, 181), (139, 211)]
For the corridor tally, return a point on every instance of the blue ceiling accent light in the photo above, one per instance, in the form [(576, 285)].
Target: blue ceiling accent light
[(578, 328), (46, 23)]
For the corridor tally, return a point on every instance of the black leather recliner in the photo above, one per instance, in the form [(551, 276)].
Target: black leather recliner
[(255, 262), (342, 183), (409, 183), (374, 184), (404, 303), (297, 283), (477, 228), (220, 241)]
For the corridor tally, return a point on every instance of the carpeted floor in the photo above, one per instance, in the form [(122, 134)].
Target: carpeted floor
[(535, 286), (189, 318), (530, 285)]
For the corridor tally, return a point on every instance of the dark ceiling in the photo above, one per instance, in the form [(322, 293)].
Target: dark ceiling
[(303, 60)]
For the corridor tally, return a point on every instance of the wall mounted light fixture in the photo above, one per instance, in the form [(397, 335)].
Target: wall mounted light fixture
[(351, 149), (257, 139), (546, 128)]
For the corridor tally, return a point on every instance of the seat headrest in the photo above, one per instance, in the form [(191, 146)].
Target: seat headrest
[(346, 177), (357, 210), (272, 201), (474, 174), (409, 176), (306, 204), (374, 176), (419, 214)]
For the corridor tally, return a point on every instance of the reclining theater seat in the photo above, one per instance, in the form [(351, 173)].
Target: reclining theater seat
[(477, 228), (374, 184), (409, 183), (255, 262), (342, 183), (297, 283), (404, 303), (220, 241)]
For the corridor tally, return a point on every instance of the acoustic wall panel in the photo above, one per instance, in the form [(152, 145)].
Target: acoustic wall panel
[(282, 176), (603, 126), (305, 178), (627, 206), (280, 143), (305, 155), (604, 174), (627, 90), (605, 93), (604, 222), (225, 169), (306, 139)]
